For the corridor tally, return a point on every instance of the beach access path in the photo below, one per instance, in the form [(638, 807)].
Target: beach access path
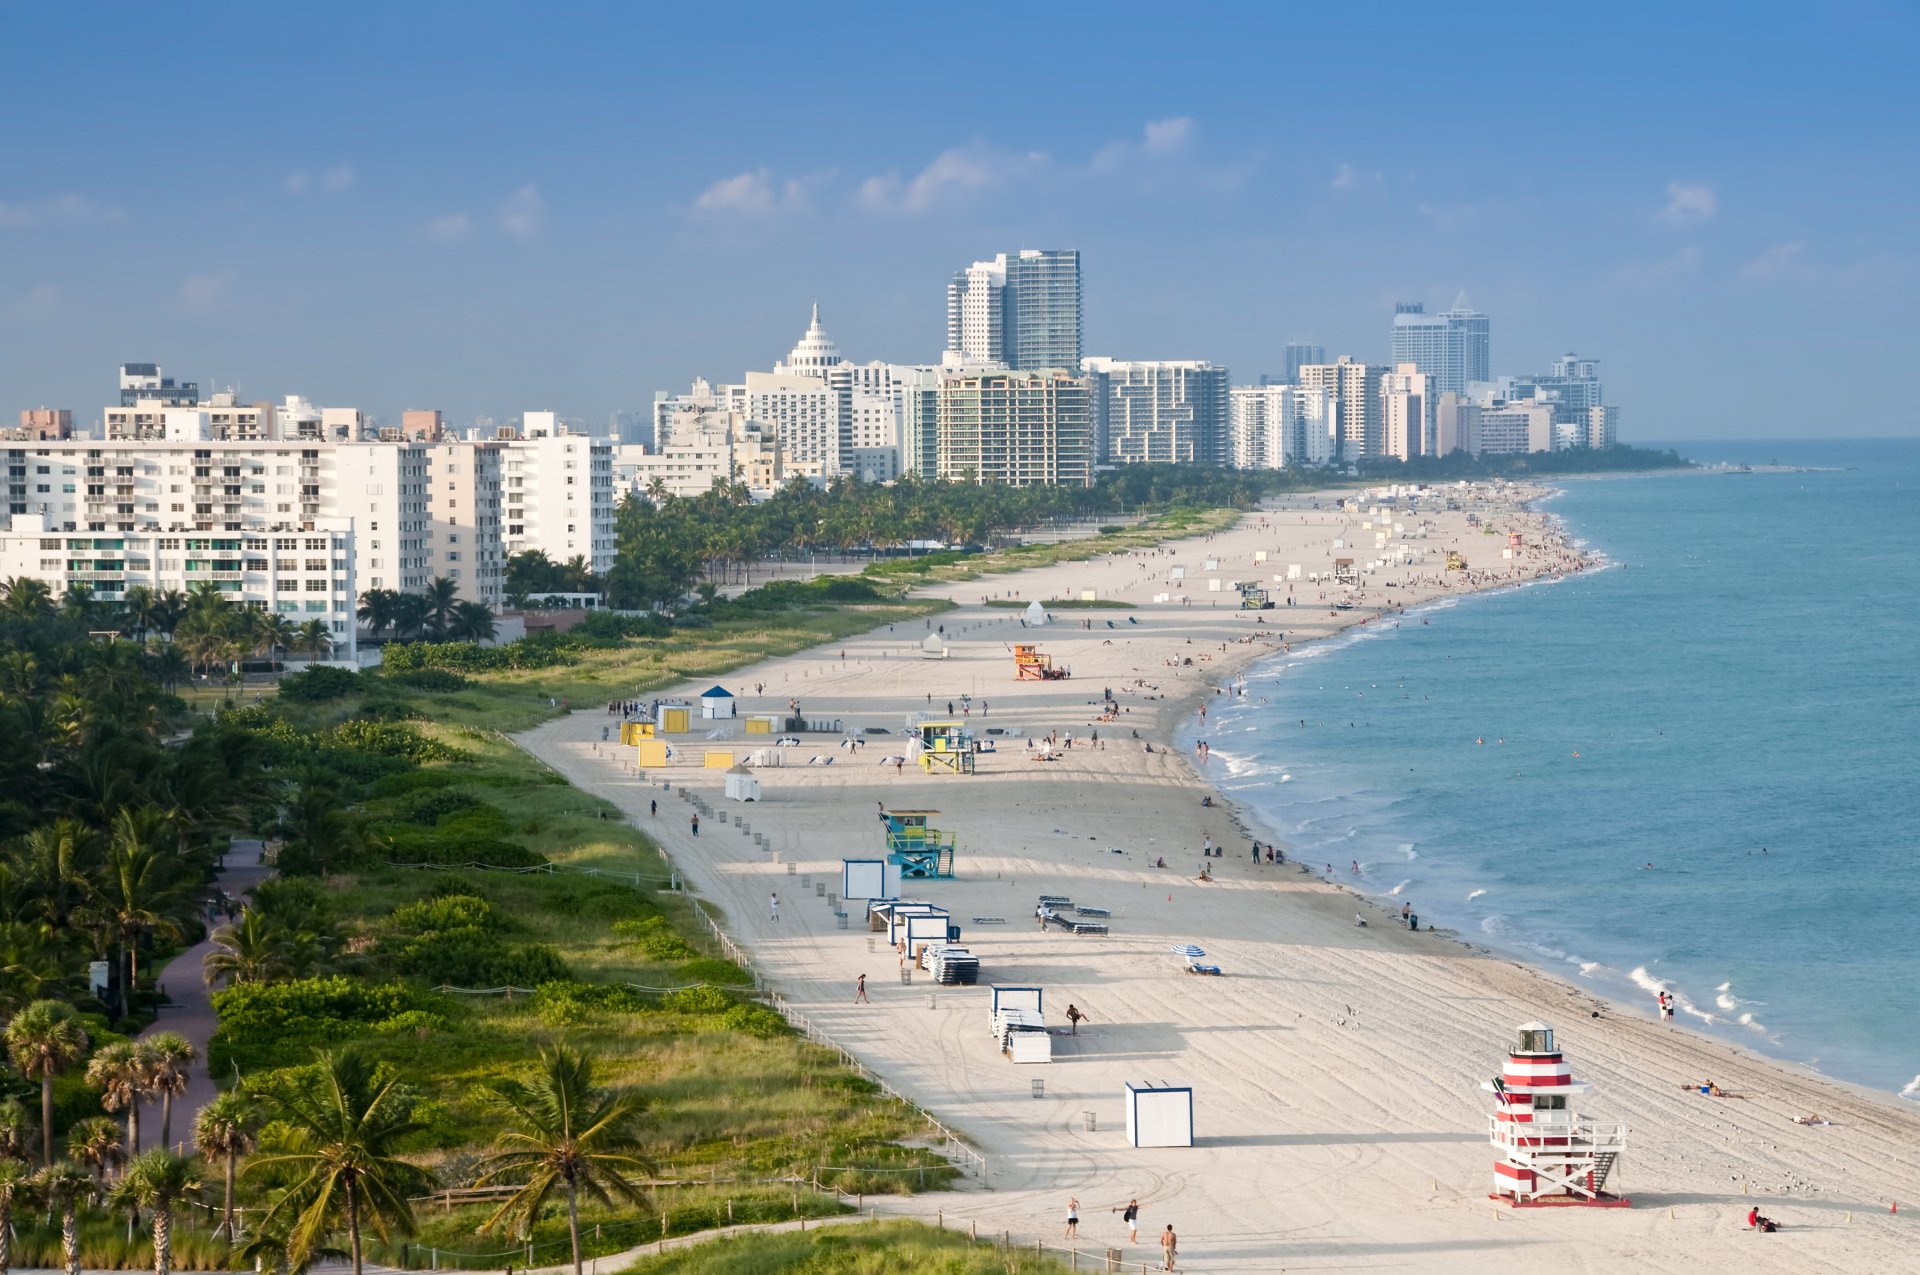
[(1336, 1069)]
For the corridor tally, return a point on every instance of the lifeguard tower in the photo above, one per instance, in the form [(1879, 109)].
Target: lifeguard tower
[(1031, 666), (1456, 561), (918, 851), (1254, 598), (944, 746), (1544, 1153), (1344, 572)]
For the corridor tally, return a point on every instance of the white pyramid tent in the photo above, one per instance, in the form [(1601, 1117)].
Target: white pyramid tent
[(1036, 614)]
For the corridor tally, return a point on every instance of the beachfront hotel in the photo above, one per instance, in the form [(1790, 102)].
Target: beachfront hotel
[(1022, 429)]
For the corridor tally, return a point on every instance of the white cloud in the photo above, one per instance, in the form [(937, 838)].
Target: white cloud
[(1160, 139), (337, 179), (1346, 177), (451, 228), (520, 215), (758, 194), (1776, 261), (298, 183), (975, 166), (204, 293), (1689, 203), (62, 210)]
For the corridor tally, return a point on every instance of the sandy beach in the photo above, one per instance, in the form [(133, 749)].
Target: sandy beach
[(1336, 1068)]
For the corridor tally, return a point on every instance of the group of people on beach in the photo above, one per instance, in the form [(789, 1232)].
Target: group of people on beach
[(1130, 1214)]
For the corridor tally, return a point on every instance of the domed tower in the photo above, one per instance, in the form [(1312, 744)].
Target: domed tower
[(816, 352), (1545, 1152)]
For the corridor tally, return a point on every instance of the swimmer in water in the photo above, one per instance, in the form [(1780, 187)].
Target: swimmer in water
[(1478, 739)]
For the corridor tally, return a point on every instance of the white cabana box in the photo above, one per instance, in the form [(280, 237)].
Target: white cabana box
[(1036, 614), (869, 879), (741, 785), (716, 702), (1159, 1115), (934, 647)]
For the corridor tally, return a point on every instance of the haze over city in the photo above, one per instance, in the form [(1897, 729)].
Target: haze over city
[(487, 209)]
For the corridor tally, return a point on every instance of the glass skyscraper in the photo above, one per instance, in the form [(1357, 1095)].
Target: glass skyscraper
[(1451, 348), (1021, 309)]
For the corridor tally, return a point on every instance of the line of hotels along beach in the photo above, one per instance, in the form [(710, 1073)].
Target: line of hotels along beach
[(299, 509)]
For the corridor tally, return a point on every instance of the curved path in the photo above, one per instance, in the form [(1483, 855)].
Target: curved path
[(188, 1008)]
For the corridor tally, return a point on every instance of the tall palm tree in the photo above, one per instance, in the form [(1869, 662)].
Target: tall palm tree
[(17, 1130), (313, 640), (166, 665), (223, 1131), (45, 1040), (160, 1181), (16, 1184), (409, 616), (376, 610), (78, 601), (473, 622), (26, 598), (170, 1067), (63, 1186), (119, 1073), (562, 1134), (96, 1143), (343, 1126), (272, 632), (139, 890), (139, 608), (440, 596), (169, 611)]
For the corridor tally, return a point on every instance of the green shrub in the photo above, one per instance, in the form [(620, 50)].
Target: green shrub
[(275, 1024), (755, 1020), (319, 684), (412, 1021), (387, 739), (711, 969), (430, 679), (449, 912), (697, 1000), (473, 958), (568, 1003), (656, 938)]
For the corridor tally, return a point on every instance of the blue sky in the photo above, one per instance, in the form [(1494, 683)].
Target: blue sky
[(489, 208)]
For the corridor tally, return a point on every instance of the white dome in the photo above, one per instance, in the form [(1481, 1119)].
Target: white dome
[(816, 351)]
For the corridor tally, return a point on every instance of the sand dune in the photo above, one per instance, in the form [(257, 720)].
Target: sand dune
[(1336, 1068)]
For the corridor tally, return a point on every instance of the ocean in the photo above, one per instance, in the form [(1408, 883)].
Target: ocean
[(1700, 767)]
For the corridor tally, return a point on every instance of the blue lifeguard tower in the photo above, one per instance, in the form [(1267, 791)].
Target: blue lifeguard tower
[(918, 850)]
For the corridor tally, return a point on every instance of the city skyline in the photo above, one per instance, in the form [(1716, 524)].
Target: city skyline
[(404, 239)]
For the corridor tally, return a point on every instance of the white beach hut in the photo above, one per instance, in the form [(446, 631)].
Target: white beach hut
[(716, 702), (741, 785), (1036, 614), (1159, 1114), (934, 647)]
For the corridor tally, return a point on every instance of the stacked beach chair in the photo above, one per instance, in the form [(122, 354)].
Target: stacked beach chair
[(950, 964), (1020, 1026), (1058, 910)]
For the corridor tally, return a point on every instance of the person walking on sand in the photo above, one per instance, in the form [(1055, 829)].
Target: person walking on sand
[(860, 991), (694, 823), (1073, 1218), (1170, 1245), (773, 907), (1131, 1216), (1075, 1016), (653, 807)]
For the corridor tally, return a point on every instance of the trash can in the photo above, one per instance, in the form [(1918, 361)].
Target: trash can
[(1039, 1088)]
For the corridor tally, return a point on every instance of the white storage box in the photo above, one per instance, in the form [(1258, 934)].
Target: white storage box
[(1159, 1115)]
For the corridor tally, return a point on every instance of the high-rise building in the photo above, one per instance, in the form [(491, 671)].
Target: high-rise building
[(1456, 424), (1355, 389), (1021, 429), (1512, 428), (1452, 348), (1279, 427), (559, 496), (1166, 411), (143, 381), (1020, 309), (46, 423), (1406, 412), (1297, 355)]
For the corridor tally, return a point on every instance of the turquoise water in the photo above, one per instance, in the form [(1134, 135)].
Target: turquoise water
[(1741, 675)]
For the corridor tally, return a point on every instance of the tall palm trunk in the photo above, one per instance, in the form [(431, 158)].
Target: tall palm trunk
[(133, 1127), (166, 1117), (573, 1220), (46, 1117), (163, 1240), (226, 1213), (353, 1226), (6, 1237), (70, 1235)]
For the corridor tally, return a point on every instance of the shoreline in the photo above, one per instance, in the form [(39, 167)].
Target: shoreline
[(1334, 1065)]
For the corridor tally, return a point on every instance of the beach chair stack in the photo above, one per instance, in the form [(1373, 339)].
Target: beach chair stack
[(951, 964), (1061, 911), (1022, 1035)]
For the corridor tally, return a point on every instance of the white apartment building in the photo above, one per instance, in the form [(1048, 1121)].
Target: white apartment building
[(1021, 429), (1357, 387), (1456, 423), (699, 409), (694, 460), (1453, 348), (1021, 310), (1513, 428), (558, 497), (464, 540), (1278, 426), (229, 420), (1406, 412), (1167, 411)]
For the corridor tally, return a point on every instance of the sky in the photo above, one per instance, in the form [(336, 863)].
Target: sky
[(490, 208)]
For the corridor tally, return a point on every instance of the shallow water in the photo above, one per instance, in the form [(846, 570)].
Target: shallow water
[(1740, 676)]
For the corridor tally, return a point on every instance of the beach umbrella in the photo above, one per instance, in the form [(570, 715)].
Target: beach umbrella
[(1187, 949)]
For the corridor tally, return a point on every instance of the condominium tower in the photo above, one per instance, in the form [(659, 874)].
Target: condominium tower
[(1451, 348), (1020, 309), (1165, 411), (1021, 429)]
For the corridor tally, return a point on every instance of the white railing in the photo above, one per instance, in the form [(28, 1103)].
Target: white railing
[(1570, 1138)]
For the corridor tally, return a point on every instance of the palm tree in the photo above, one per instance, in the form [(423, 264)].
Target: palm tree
[(313, 640), (376, 610), (159, 1180), (26, 598), (118, 1072), (166, 664), (409, 615), (44, 1040), (169, 610), (16, 1183), (562, 1134), (343, 1125), (139, 888), (140, 607), (170, 1068), (16, 1131), (63, 1185), (252, 949), (223, 1131), (272, 632), (96, 1143), (78, 601), (439, 598), (472, 622)]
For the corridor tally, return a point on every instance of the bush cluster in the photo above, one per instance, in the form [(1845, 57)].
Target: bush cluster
[(266, 1025), (656, 938), (319, 684), (441, 680)]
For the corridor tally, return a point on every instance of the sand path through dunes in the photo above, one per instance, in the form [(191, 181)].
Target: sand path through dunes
[(1335, 1068)]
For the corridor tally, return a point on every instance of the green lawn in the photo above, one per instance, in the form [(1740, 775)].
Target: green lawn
[(878, 1248)]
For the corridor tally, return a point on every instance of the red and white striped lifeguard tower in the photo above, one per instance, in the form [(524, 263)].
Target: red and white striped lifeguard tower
[(1544, 1153)]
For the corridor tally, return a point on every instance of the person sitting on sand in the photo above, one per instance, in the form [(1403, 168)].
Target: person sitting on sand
[(1811, 1120), (1706, 1087), (1204, 874)]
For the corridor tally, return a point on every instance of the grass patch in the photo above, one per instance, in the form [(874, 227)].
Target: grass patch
[(1062, 604), (873, 1248), (1172, 524)]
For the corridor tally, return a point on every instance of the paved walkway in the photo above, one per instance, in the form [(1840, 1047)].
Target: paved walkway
[(189, 1009)]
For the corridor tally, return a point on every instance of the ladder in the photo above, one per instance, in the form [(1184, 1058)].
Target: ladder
[(1602, 1166)]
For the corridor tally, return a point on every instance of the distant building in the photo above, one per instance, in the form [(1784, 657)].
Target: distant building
[(1296, 355), (1022, 429), (1165, 411), (1279, 427), (423, 424), (1452, 349), (1456, 424), (1406, 413), (143, 381), (1512, 428), (1356, 389), (45, 423), (1022, 310)]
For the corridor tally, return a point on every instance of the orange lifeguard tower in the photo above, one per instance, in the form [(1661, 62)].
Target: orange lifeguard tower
[(1544, 1153), (1031, 666)]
